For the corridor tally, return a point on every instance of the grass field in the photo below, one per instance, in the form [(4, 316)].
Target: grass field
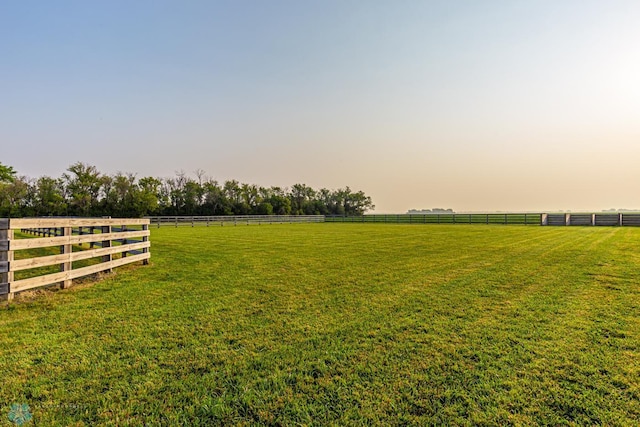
[(340, 324)]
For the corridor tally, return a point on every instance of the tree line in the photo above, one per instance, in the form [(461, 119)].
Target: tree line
[(84, 191)]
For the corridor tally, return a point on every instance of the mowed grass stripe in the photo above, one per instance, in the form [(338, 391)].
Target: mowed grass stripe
[(341, 323)]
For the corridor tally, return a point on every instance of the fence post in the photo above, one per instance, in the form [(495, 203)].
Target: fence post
[(6, 257), (567, 219), (124, 241), (66, 249), (92, 231), (106, 229)]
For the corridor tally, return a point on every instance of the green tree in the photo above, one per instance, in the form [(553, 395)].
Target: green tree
[(15, 198), (279, 201), (84, 191), (302, 198), (165, 204), (215, 201), (352, 204), (148, 196), (192, 194), (124, 192), (83, 184), (7, 174), (233, 192), (176, 188), (250, 199), (49, 197)]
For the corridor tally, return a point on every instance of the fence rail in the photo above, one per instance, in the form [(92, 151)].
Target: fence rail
[(221, 220), (534, 218), (34, 247), (553, 219), (493, 218), (593, 219)]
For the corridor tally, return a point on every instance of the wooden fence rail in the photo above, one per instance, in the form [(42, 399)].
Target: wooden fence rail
[(593, 219), (532, 218), (42, 244), (448, 218), (221, 220), (557, 219)]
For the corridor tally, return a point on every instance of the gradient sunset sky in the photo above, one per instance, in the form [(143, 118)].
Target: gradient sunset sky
[(471, 105)]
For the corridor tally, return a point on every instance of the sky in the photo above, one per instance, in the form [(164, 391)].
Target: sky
[(470, 105)]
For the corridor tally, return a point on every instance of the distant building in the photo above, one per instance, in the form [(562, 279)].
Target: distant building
[(430, 211)]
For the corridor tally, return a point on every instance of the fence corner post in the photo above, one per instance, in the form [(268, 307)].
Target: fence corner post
[(6, 256), (145, 261)]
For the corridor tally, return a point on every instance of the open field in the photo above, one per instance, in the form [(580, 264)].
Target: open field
[(343, 324)]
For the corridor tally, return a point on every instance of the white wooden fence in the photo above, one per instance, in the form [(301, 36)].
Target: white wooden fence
[(29, 245), (221, 220)]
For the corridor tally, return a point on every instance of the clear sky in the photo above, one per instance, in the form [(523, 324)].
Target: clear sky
[(470, 105)]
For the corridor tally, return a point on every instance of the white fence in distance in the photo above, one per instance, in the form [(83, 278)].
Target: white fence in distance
[(222, 220)]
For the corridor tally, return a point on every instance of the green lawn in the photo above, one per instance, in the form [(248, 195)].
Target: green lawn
[(340, 324)]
